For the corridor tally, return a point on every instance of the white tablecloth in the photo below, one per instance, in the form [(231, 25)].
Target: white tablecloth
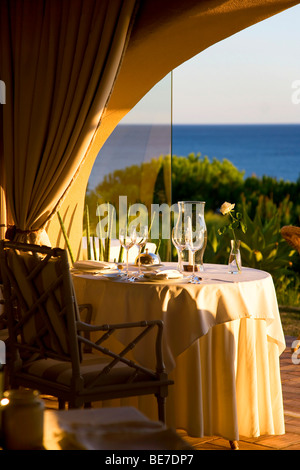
[(222, 341)]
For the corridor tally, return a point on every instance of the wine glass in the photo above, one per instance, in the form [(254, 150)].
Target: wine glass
[(179, 242), (194, 240), (127, 240), (141, 240)]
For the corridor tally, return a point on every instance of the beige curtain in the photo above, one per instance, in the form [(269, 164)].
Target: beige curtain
[(3, 211), (59, 60)]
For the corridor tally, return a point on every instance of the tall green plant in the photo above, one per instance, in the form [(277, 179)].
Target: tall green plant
[(262, 247), (88, 234), (110, 211), (100, 242), (66, 237)]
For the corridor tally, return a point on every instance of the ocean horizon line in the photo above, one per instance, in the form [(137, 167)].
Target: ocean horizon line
[(268, 149), (213, 124)]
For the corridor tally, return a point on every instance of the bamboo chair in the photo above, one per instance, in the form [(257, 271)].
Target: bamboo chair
[(291, 234), (48, 342), (3, 319), (3, 322)]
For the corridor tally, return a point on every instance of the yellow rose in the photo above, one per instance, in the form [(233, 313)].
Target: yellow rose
[(226, 207)]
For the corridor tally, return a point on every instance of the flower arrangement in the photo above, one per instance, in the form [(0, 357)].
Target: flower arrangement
[(236, 220)]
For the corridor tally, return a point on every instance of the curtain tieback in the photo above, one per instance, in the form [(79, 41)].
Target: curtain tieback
[(12, 231)]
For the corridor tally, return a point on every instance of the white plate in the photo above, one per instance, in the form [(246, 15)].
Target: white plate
[(135, 267), (161, 281), (90, 265), (160, 276), (115, 275), (151, 266)]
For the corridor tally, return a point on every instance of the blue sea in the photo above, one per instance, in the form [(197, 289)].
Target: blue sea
[(267, 149), (272, 150)]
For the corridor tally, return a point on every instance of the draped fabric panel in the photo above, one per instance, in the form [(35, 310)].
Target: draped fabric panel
[(69, 65), (59, 61), (3, 215)]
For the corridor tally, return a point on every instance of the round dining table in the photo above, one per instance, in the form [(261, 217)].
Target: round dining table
[(222, 341)]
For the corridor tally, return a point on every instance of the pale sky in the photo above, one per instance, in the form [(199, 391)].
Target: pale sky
[(247, 78)]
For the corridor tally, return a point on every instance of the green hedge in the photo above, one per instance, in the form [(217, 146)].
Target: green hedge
[(196, 178)]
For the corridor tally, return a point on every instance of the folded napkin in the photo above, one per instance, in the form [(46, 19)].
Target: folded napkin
[(90, 265), (123, 428), (87, 431), (121, 436), (165, 274)]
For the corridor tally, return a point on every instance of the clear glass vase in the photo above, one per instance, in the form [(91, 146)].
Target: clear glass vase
[(235, 261)]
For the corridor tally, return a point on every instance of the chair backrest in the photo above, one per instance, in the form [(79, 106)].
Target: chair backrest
[(40, 301), (292, 235)]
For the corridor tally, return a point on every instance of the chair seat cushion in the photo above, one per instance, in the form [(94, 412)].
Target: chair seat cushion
[(61, 372)]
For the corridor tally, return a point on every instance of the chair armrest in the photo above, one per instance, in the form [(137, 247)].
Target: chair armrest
[(88, 319), (109, 329), (87, 327), (89, 309)]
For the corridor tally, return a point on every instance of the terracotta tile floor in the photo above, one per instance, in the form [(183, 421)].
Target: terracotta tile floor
[(290, 378)]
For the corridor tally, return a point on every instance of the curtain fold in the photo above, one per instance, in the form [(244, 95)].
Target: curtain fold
[(59, 60), (3, 211)]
